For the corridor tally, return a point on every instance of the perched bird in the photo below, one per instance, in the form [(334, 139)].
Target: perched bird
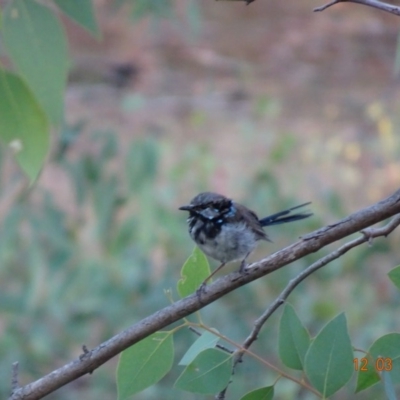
[(228, 231)]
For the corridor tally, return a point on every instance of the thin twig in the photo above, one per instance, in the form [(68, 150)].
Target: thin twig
[(219, 346), (390, 8), (14, 379), (330, 4), (284, 374), (367, 236)]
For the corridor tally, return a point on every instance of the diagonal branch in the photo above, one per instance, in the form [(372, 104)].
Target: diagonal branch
[(367, 236), (310, 243), (390, 8)]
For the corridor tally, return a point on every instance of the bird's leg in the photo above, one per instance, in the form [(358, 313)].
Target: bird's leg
[(202, 287), (243, 264)]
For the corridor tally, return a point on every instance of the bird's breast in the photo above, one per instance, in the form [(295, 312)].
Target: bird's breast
[(224, 242)]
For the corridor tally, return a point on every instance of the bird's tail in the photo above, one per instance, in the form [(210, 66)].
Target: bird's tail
[(283, 216)]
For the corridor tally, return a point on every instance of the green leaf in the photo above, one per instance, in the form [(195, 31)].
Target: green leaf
[(207, 340), (144, 364), (386, 346), (82, 13), (265, 393), (208, 373), (394, 276), (195, 270), (23, 124), (386, 353), (36, 44), (294, 339), (329, 360), (367, 375)]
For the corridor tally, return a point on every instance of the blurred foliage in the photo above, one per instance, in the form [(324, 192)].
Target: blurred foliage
[(30, 31), (75, 272), (75, 277), (157, 10)]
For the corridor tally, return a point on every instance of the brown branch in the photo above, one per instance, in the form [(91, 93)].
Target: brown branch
[(367, 236), (184, 307), (369, 3)]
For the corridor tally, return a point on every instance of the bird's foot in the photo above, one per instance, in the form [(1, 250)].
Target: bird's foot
[(201, 290), (243, 266)]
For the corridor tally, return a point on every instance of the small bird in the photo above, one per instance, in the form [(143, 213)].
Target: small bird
[(228, 231)]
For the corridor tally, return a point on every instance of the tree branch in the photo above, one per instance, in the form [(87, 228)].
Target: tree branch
[(308, 244), (370, 3), (367, 236)]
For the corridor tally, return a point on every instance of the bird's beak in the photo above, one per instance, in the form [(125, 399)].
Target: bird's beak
[(186, 208)]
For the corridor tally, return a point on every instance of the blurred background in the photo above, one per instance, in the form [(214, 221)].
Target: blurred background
[(270, 104)]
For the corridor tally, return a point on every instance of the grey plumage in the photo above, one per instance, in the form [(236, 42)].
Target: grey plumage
[(228, 231)]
